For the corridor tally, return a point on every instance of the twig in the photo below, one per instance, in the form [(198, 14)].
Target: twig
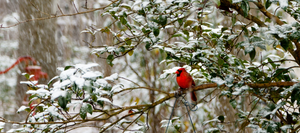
[(38, 9), (60, 10), (75, 6), (133, 121), (63, 15)]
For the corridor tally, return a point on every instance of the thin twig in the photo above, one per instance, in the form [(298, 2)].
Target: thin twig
[(57, 16), (75, 7), (133, 121), (60, 10)]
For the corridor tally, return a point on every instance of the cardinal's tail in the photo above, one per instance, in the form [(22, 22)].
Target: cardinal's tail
[(193, 96)]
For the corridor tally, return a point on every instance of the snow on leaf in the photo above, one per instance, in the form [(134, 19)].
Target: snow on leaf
[(78, 81), (58, 93), (102, 82), (168, 72), (2, 124), (169, 26), (240, 90), (41, 92), (211, 130), (85, 108), (65, 83), (283, 3), (53, 111), (42, 86), (85, 66), (286, 127), (67, 73), (117, 88), (91, 75), (236, 1), (104, 99), (231, 37), (112, 77), (22, 108), (279, 105), (218, 80), (30, 83)]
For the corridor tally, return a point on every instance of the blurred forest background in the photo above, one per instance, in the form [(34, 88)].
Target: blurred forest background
[(64, 41)]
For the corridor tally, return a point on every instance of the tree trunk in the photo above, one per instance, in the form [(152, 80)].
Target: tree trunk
[(36, 39)]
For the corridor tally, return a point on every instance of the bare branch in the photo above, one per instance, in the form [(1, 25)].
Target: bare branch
[(75, 7), (60, 10), (57, 16), (268, 14)]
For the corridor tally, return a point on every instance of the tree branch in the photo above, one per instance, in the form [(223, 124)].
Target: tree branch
[(227, 3), (268, 14), (57, 16)]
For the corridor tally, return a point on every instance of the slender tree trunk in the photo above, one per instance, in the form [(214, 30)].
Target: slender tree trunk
[(36, 39)]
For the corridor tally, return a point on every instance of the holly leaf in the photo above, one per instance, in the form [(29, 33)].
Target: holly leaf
[(109, 60)]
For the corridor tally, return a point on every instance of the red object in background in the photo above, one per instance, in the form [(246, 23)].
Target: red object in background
[(19, 60), (36, 71), (31, 70)]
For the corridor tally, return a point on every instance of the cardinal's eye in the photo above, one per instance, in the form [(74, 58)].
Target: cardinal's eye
[(179, 71)]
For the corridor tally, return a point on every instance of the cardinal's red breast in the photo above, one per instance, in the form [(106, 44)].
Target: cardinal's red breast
[(184, 79)]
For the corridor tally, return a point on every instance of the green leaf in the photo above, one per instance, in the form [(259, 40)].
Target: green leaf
[(67, 67), (109, 60), (272, 63), (130, 52), (85, 108), (295, 36), (90, 109), (27, 76), (162, 20), (141, 12), (39, 108), (249, 49), (221, 118), (32, 96), (268, 4), (223, 29), (121, 49), (123, 20), (253, 29), (52, 80), (285, 44), (68, 97), (188, 23), (128, 41), (233, 19), (145, 31), (295, 95), (233, 103), (245, 7), (125, 6), (62, 102), (148, 45), (82, 113), (180, 21), (156, 31), (220, 62), (177, 35), (255, 39), (100, 102), (252, 54)]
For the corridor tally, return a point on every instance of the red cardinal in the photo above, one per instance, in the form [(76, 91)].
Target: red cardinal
[(185, 81)]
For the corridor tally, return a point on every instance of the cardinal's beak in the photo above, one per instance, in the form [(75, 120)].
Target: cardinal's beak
[(177, 72)]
